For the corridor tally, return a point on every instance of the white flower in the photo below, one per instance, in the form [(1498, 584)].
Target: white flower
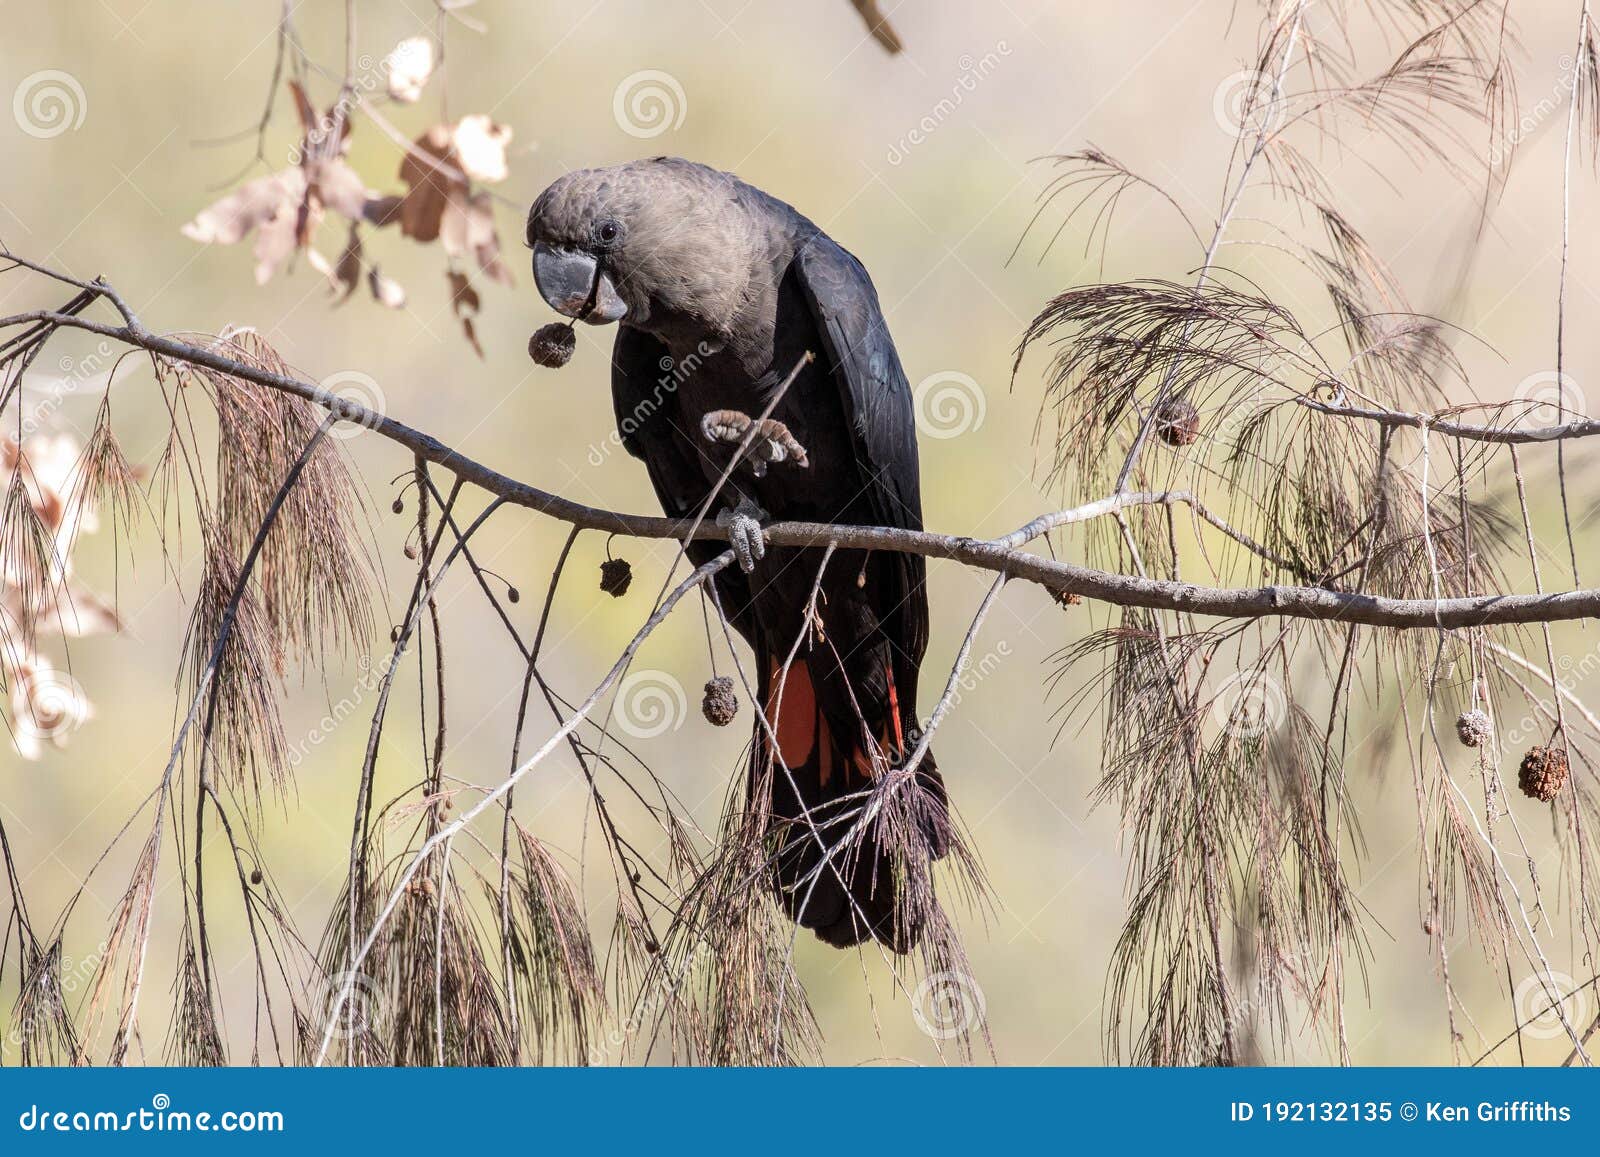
[(410, 65), (481, 145)]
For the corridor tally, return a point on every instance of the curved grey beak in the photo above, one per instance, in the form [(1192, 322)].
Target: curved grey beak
[(565, 278)]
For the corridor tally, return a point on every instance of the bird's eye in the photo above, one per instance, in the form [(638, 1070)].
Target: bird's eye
[(607, 232)]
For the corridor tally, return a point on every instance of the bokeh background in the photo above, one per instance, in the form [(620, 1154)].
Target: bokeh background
[(924, 164)]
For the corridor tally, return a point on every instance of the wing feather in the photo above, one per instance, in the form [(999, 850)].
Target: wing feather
[(860, 355)]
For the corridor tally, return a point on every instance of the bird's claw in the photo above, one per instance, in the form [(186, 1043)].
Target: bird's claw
[(743, 524), (772, 442)]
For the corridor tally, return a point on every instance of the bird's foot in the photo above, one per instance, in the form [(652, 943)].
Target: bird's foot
[(743, 524), (772, 442)]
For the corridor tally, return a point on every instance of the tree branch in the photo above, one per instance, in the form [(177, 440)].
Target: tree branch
[(999, 555), (1501, 435)]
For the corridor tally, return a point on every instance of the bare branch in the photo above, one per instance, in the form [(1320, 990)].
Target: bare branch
[(992, 555)]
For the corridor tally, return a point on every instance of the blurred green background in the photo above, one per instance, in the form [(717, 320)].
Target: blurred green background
[(923, 165)]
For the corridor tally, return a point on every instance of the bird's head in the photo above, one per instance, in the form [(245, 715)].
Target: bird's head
[(650, 243)]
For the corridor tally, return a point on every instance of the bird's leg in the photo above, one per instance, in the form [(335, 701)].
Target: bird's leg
[(772, 443), (743, 524)]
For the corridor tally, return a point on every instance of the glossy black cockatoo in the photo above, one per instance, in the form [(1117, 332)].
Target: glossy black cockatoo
[(718, 291)]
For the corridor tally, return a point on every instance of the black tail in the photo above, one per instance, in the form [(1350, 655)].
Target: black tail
[(831, 870)]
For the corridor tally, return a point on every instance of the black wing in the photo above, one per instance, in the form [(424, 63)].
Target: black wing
[(644, 411), (644, 422), (860, 356)]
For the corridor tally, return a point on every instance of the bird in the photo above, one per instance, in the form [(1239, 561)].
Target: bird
[(719, 291)]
